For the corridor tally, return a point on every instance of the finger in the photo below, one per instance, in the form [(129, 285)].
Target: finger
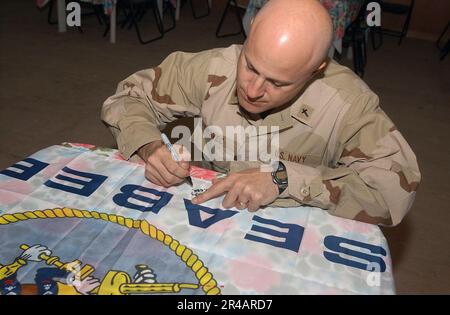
[(157, 163), (185, 165), (183, 152), (231, 198), (214, 191), (154, 177), (174, 168), (244, 198), (159, 171), (220, 176), (168, 176), (253, 206), (179, 169), (216, 180), (241, 203)]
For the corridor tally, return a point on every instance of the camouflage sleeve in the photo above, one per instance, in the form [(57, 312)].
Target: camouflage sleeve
[(374, 175), (149, 99)]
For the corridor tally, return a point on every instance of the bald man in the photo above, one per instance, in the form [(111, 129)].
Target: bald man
[(338, 150)]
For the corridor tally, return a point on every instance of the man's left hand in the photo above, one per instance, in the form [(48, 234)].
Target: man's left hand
[(249, 189)]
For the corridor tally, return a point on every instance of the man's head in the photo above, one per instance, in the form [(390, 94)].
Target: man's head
[(287, 44)]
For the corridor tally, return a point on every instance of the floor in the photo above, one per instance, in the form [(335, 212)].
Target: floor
[(52, 87)]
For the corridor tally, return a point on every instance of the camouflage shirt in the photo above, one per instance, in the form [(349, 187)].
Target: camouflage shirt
[(341, 151)]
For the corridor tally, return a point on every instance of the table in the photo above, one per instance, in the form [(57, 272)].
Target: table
[(342, 12), (110, 9), (77, 219)]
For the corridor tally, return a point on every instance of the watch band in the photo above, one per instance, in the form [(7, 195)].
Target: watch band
[(280, 181)]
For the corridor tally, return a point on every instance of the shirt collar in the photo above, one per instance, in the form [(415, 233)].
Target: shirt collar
[(233, 100), (304, 108), (277, 120)]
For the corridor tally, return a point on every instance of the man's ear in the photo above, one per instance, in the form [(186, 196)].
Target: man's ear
[(322, 67)]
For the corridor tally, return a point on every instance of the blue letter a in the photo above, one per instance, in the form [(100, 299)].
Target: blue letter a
[(196, 220)]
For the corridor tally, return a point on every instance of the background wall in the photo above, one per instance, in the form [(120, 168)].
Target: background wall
[(428, 19)]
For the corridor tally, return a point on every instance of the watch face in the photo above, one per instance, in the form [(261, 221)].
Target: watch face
[(281, 176)]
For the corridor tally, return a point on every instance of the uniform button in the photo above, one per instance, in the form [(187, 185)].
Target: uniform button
[(304, 191)]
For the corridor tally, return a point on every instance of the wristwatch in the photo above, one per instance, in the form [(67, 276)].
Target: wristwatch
[(280, 177)]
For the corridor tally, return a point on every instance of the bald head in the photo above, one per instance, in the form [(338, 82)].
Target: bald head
[(295, 34), (287, 44)]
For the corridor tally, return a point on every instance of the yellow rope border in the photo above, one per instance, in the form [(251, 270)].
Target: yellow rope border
[(206, 279)]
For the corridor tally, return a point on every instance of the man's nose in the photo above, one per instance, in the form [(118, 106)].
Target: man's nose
[(255, 88)]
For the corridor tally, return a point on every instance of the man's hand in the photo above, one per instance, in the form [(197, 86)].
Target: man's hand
[(160, 168), (249, 189)]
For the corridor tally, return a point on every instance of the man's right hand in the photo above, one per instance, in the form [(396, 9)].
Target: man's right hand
[(160, 168)]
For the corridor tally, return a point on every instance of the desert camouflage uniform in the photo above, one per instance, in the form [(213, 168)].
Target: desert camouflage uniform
[(341, 151)]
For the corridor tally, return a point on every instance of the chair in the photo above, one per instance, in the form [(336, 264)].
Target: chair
[(237, 8), (397, 9), (135, 10), (444, 49), (194, 13), (181, 3), (50, 6), (355, 35)]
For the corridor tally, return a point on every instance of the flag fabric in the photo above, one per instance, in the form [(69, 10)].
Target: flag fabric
[(77, 219)]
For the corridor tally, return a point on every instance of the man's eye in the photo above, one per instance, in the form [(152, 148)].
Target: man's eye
[(276, 84)]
